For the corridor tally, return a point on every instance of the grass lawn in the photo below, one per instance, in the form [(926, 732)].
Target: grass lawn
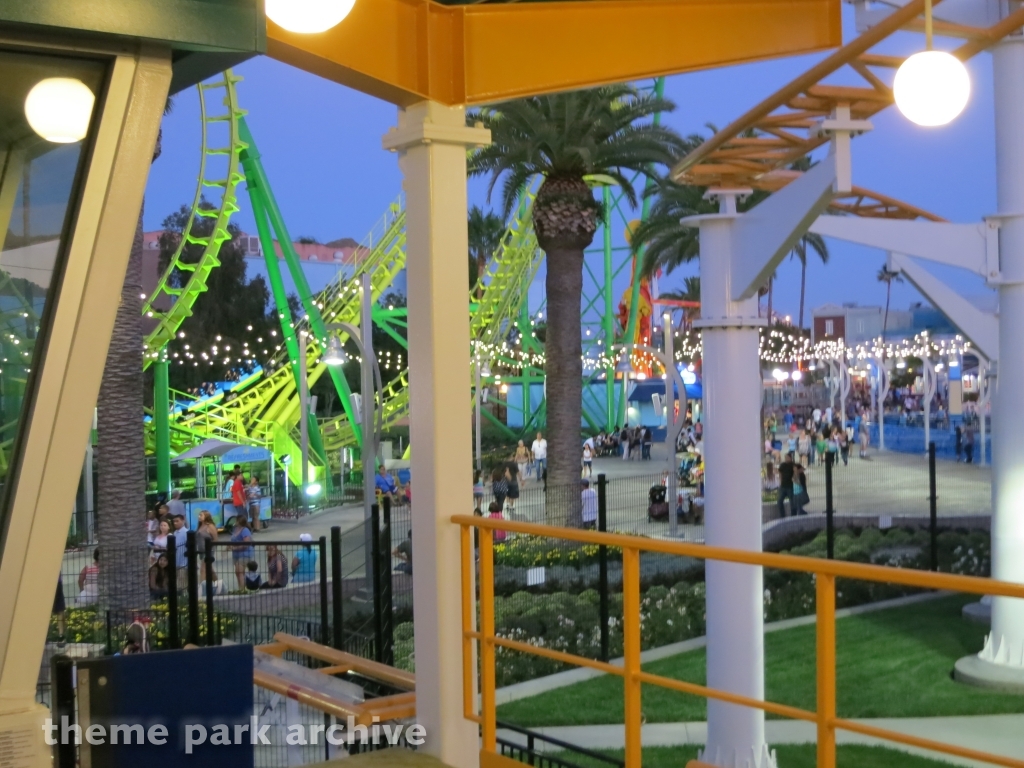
[(790, 755), (893, 663)]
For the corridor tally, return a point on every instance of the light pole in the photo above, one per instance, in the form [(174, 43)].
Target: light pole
[(304, 420), (369, 374), (480, 370), (674, 425)]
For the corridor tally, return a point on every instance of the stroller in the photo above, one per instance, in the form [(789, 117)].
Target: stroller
[(657, 509)]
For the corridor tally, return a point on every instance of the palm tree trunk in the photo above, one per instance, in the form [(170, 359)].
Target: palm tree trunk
[(120, 451), (564, 373), (803, 285), (885, 318)]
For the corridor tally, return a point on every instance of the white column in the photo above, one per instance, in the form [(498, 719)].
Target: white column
[(1006, 643), (732, 488), (432, 140)]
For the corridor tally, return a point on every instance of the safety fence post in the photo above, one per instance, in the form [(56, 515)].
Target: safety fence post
[(173, 636), (325, 629), (825, 606), (602, 561), (387, 598), (336, 586), (211, 632), (933, 511), (830, 529), (62, 704), (378, 623), (193, 588)]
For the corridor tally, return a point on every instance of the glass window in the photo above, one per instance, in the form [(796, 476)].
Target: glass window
[(47, 122)]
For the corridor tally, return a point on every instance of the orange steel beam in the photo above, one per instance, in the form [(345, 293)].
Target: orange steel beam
[(406, 51), (756, 149)]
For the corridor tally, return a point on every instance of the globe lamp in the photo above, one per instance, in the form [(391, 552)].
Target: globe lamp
[(308, 16), (59, 109), (931, 88)]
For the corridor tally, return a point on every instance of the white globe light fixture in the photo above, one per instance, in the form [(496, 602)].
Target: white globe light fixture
[(59, 109), (931, 87), (308, 16)]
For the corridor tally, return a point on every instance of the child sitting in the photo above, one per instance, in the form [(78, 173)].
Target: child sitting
[(252, 576)]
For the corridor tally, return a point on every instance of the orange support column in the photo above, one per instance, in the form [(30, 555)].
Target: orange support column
[(631, 652), (825, 587)]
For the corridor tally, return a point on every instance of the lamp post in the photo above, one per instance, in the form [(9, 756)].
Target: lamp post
[(481, 370), (304, 420), (674, 425), (369, 374)]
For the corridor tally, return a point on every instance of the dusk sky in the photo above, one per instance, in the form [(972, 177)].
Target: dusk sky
[(320, 144)]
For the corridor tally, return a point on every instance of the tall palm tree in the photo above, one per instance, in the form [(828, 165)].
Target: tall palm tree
[(565, 139), (120, 448), (485, 233), (888, 276), (690, 292), (817, 244)]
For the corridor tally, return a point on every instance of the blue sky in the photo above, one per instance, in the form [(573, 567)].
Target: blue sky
[(320, 144)]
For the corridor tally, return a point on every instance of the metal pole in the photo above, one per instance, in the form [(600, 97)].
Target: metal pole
[(173, 635), (193, 588), (609, 312), (830, 529), (161, 421), (933, 512), (62, 692), (602, 560), (211, 635), (336, 586), (670, 412), (303, 420), (375, 560), (476, 405), (325, 629), (366, 377)]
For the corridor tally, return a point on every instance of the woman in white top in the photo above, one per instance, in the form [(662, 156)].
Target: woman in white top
[(160, 541)]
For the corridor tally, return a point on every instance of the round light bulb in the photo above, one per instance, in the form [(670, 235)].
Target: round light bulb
[(308, 16), (59, 109), (931, 88)]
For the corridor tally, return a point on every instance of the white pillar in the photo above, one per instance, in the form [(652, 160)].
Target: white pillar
[(732, 489), (432, 140), (1006, 643)]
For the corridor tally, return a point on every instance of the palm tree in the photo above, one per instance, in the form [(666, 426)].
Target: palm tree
[(485, 233), (120, 448), (888, 276), (565, 139), (690, 292), (817, 244)]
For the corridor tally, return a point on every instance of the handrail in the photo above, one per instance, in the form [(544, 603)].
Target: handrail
[(826, 572)]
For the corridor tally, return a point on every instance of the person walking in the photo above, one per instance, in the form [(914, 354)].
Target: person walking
[(588, 505), (969, 444), (959, 444), (800, 496), (242, 551), (803, 446), (864, 438), (522, 459), (647, 441), (787, 471), (512, 478), (844, 446), (205, 533), (539, 449), (253, 498), (499, 486), (624, 442), (588, 460)]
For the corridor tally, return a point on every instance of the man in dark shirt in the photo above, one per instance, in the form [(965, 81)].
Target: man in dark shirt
[(786, 469)]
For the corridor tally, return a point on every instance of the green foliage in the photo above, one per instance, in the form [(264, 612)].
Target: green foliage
[(534, 552), (606, 130)]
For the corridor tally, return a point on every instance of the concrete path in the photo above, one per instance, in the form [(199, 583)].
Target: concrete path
[(998, 734)]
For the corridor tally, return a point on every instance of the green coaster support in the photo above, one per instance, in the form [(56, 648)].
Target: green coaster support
[(162, 423)]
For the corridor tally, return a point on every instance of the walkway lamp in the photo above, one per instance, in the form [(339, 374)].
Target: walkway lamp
[(931, 87)]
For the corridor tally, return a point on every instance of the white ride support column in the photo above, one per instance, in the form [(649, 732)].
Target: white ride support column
[(1002, 660), (432, 140), (732, 491)]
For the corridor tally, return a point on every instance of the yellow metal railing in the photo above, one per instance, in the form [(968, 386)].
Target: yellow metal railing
[(826, 572)]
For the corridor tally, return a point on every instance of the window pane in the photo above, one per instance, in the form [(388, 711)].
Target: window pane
[(45, 105)]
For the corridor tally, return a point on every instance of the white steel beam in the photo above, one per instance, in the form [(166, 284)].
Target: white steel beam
[(763, 236), (958, 245), (980, 328)]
